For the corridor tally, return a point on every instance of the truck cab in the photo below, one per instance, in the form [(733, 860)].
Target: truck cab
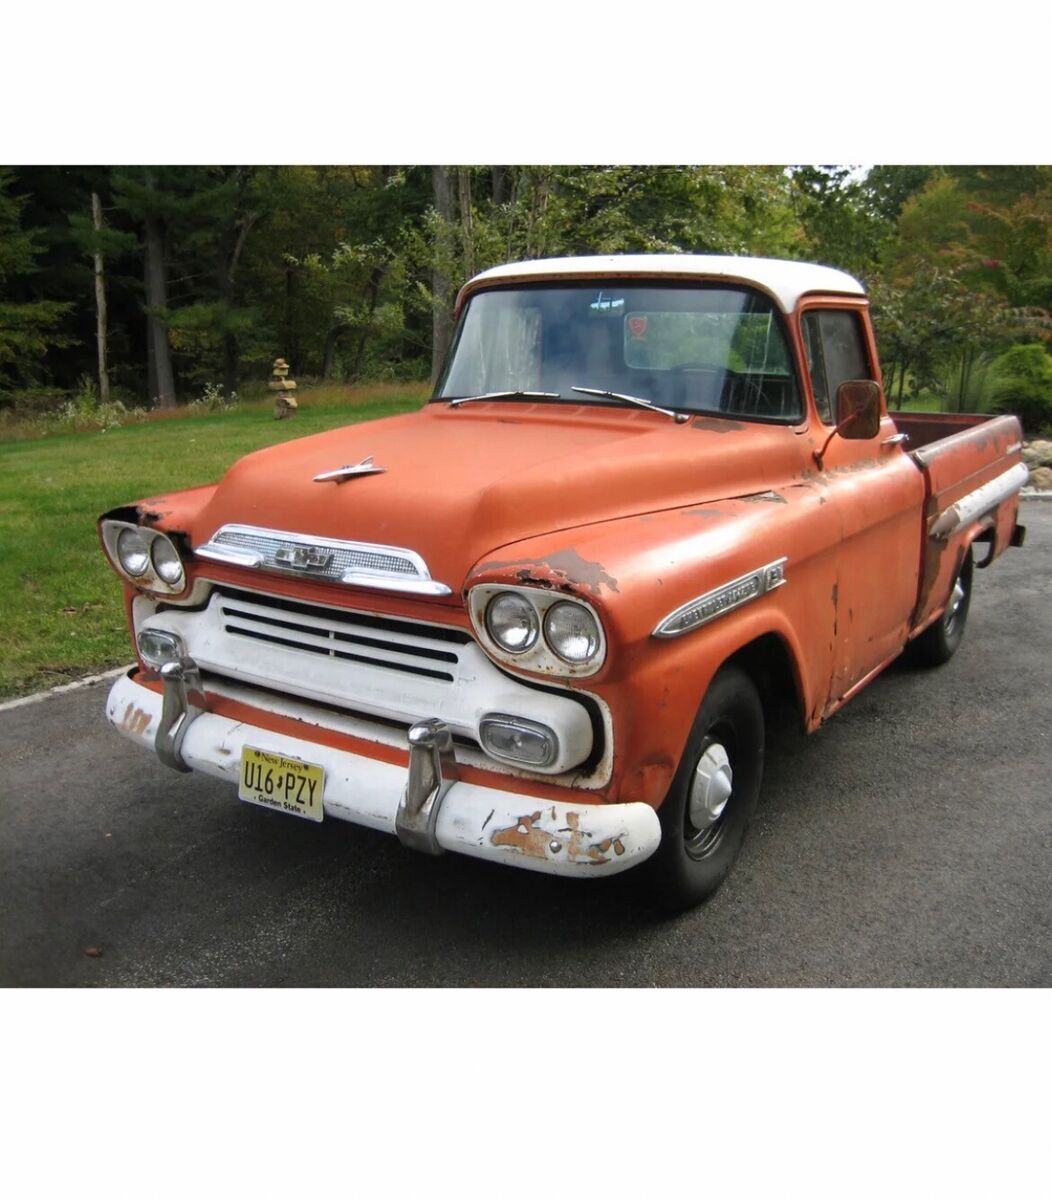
[(546, 619)]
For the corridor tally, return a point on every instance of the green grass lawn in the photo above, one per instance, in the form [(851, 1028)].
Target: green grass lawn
[(62, 612)]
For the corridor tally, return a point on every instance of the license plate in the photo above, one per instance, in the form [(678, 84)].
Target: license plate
[(287, 784)]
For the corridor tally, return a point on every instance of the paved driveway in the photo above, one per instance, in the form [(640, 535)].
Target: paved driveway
[(908, 842)]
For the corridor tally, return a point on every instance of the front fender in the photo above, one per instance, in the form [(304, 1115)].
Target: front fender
[(638, 570)]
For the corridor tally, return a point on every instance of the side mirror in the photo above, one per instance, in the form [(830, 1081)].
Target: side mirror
[(857, 413), (858, 409)]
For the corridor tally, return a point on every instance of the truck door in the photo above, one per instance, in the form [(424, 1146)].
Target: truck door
[(879, 494)]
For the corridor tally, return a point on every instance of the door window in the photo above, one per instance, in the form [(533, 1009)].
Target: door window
[(836, 352)]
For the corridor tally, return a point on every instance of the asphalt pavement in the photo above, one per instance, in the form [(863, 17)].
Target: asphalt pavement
[(906, 843)]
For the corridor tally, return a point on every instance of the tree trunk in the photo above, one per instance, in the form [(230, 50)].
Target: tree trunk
[(499, 177), (156, 279), (375, 279), (464, 189), (328, 357), (232, 244), (100, 301), (441, 314)]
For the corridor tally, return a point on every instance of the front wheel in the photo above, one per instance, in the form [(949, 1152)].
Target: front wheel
[(939, 642), (713, 795)]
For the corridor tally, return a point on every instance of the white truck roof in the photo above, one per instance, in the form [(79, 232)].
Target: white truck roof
[(783, 279)]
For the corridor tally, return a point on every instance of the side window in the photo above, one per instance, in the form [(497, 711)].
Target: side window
[(835, 352)]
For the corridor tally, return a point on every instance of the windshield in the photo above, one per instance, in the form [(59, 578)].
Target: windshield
[(705, 349)]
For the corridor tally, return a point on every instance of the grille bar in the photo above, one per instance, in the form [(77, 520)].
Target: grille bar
[(392, 645), (270, 606), (311, 647)]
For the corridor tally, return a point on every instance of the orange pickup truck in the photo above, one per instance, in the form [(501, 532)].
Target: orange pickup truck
[(545, 619)]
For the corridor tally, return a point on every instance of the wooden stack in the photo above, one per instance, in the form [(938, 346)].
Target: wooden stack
[(285, 403)]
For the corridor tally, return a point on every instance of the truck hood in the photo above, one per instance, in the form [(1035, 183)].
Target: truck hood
[(460, 483)]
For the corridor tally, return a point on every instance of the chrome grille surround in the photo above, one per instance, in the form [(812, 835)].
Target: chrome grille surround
[(360, 564)]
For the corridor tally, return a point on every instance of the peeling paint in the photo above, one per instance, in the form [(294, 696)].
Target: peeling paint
[(531, 838), (565, 570), (135, 721), (769, 497)]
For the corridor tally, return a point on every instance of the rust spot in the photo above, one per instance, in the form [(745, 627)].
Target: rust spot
[(135, 721), (529, 837), (649, 780), (565, 570)]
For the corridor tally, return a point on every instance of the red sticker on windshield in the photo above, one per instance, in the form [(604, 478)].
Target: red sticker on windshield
[(638, 326)]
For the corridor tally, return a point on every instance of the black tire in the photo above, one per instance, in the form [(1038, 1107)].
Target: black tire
[(695, 855), (939, 642)]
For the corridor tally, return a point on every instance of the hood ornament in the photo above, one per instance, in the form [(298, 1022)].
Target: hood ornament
[(365, 467)]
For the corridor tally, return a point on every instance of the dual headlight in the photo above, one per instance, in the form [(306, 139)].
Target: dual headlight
[(145, 556), (538, 631)]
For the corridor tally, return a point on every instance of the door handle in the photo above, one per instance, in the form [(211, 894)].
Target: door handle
[(896, 439)]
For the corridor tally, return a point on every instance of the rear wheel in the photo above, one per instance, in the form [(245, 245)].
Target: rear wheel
[(939, 642), (713, 795)]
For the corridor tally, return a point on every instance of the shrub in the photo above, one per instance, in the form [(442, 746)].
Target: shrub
[(1024, 386), (214, 399)]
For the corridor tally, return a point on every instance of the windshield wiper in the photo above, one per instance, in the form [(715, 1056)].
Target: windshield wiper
[(679, 418), (505, 396)]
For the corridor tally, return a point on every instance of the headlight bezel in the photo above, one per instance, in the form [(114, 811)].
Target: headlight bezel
[(539, 658), (149, 579)]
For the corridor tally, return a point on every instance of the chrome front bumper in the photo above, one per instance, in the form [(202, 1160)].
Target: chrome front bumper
[(426, 806)]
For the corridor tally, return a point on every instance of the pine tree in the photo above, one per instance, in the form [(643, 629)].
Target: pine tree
[(28, 324)]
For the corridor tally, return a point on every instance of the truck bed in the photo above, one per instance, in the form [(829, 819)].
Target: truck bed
[(973, 471), (924, 427)]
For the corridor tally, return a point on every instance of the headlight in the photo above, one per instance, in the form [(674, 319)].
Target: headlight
[(133, 553), (512, 622), (166, 561), (571, 631)]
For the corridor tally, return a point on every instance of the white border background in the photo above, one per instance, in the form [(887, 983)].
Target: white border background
[(523, 1093)]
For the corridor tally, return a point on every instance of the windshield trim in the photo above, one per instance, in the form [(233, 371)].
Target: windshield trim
[(696, 284)]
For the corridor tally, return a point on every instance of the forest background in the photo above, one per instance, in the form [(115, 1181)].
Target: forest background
[(125, 289)]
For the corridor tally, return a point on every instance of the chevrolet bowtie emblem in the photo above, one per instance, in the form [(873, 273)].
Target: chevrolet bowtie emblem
[(303, 558), (365, 467)]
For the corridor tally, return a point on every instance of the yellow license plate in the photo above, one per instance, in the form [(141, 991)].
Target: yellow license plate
[(287, 784)]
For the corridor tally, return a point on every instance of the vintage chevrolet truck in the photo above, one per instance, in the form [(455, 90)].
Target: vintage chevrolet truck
[(544, 620)]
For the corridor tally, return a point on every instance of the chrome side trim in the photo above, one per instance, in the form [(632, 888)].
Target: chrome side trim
[(357, 564), (976, 503), (724, 599)]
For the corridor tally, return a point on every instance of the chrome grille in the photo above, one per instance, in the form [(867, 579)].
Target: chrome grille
[(342, 556), (395, 645)]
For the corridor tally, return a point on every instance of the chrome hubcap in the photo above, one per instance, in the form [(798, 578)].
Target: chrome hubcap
[(711, 788)]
